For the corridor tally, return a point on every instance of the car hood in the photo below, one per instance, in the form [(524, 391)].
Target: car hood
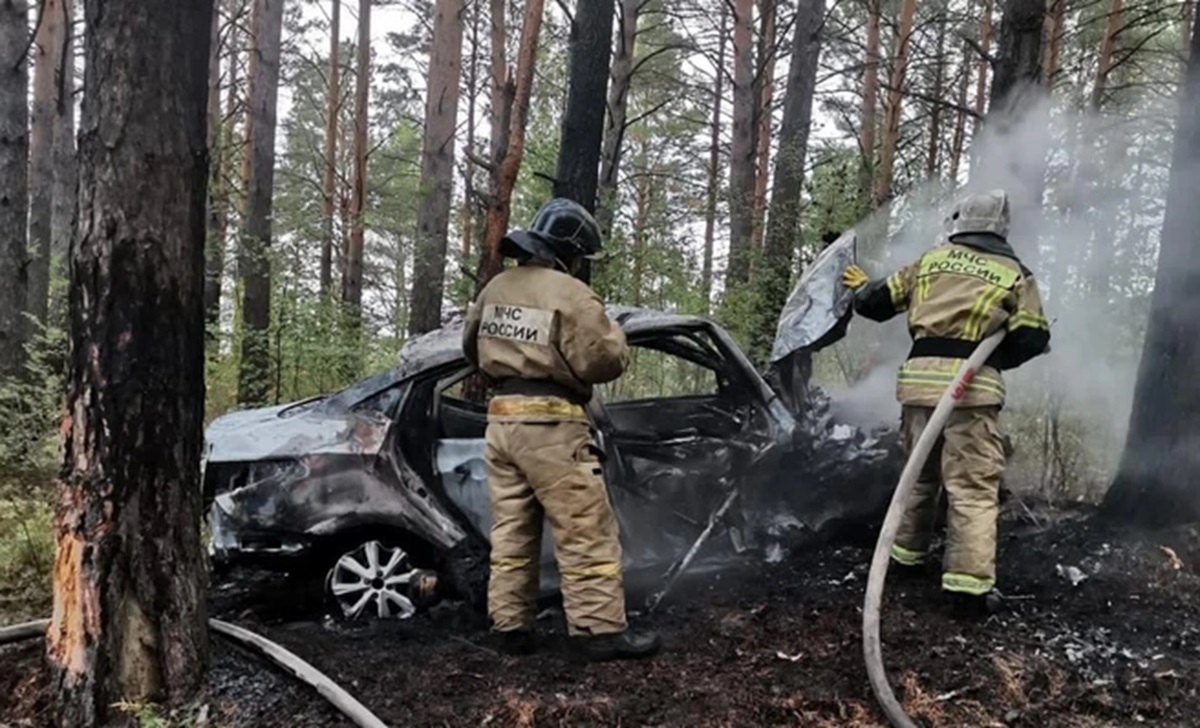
[(292, 430), (819, 308)]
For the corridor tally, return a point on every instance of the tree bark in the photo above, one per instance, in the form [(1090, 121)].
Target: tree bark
[(985, 44), (1018, 58), (618, 107), (1106, 54), (214, 266), (932, 160), (66, 190), (468, 208), (437, 167), (583, 121), (47, 49), (960, 118), (765, 90), (352, 280), (895, 98), (505, 175), (714, 163), (1155, 484), (1056, 17), (254, 263), (742, 151), (783, 232), (129, 609), (14, 181), (870, 104), (503, 86), (329, 179), (221, 192)]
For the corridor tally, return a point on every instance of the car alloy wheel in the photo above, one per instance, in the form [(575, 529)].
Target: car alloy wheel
[(378, 579)]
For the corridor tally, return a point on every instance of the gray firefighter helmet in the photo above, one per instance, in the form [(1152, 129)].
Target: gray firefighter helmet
[(983, 212)]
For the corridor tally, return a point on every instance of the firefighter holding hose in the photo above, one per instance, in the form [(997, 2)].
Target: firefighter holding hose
[(541, 336), (955, 295)]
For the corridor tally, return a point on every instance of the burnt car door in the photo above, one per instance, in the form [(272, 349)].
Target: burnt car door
[(685, 425)]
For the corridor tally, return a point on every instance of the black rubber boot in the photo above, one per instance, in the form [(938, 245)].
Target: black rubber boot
[(974, 606), (627, 645), (514, 642)]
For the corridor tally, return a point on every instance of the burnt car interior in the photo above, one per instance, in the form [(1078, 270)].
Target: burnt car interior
[(676, 430)]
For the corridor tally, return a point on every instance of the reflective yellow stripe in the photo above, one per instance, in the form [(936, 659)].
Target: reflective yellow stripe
[(907, 557), (895, 284), (966, 584), (511, 563), (608, 569), (1025, 317), (536, 406), (981, 382), (968, 263), (974, 328)]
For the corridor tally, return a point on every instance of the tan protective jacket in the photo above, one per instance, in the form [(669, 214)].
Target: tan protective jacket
[(540, 325), (956, 295)]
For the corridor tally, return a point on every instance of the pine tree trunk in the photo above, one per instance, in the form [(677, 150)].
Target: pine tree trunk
[(66, 191), (14, 181), (254, 262), (765, 86), (329, 177), (783, 232), (503, 87), (505, 175), (985, 44), (895, 98), (437, 167), (1155, 483), (1018, 58), (583, 121), (46, 50), (714, 163), (216, 220), (618, 106), (1106, 54), (960, 118), (1056, 17), (129, 580), (932, 160), (870, 104), (742, 151), (221, 195), (352, 281), (468, 208)]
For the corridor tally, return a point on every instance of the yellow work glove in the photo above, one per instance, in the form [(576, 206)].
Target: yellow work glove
[(854, 278)]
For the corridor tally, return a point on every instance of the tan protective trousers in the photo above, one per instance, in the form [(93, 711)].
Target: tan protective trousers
[(547, 468), (968, 460)]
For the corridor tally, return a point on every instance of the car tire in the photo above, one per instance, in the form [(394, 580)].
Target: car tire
[(377, 577)]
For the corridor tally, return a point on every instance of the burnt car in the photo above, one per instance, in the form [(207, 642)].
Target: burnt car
[(380, 489)]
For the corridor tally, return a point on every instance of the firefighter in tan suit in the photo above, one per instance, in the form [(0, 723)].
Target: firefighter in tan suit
[(542, 338), (956, 295)]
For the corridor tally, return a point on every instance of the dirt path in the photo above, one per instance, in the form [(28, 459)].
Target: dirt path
[(778, 645)]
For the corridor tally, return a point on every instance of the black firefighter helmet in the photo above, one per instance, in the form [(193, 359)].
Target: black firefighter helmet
[(562, 230)]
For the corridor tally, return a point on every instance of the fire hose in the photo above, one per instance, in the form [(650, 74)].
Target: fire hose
[(872, 651), (306, 673)]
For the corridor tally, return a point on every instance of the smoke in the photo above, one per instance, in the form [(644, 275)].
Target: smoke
[(1087, 194)]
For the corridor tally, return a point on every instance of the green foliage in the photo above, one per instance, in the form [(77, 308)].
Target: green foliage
[(150, 715), (26, 546), (31, 405)]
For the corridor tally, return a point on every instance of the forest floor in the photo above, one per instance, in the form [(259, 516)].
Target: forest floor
[(1102, 628)]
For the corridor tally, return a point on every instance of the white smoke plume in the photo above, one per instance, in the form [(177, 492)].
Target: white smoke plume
[(1088, 228)]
